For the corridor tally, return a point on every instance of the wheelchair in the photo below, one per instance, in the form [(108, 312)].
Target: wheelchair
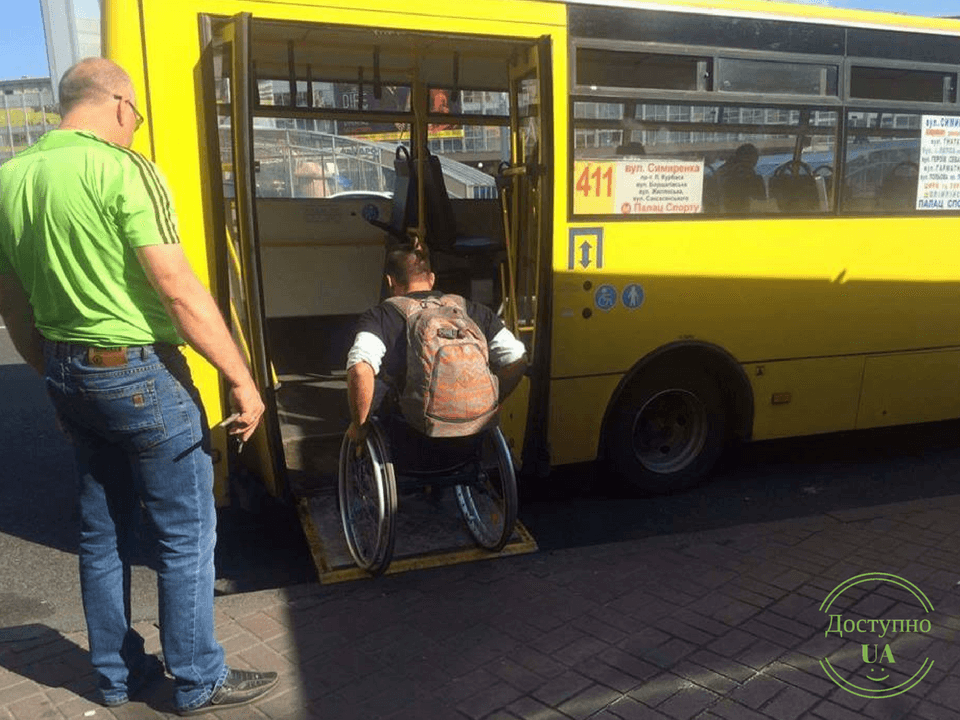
[(479, 468)]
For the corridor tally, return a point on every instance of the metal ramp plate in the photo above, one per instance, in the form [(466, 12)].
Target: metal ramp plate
[(430, 533)]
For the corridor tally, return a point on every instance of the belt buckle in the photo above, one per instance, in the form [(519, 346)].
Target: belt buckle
[(107, 357)]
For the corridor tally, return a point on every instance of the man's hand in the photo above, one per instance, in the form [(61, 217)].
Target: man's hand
[(245, 400), (357, 433)]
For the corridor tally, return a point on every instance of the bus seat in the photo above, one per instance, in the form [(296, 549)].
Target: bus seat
[(441, 225), (794, 188)]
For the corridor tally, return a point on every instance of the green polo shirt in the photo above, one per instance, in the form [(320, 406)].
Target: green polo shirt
[(72, 209)]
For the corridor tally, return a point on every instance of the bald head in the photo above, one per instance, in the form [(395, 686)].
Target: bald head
[(97, 96), (92, 82)]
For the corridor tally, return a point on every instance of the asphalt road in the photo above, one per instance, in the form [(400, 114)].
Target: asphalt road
[(579, 505)]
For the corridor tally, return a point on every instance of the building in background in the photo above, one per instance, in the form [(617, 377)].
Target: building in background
[(29, 106), (72, 32), (27, 111)]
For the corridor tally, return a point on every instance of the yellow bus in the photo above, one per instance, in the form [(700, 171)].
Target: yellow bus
[(708, 220)]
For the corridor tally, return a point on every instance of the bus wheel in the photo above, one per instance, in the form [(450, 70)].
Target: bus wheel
[(667, 429)]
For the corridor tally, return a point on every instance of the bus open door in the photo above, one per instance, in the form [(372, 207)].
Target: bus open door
[(302, 141), (233, 222)]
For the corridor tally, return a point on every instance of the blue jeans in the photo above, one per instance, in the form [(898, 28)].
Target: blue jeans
[(141, 443)]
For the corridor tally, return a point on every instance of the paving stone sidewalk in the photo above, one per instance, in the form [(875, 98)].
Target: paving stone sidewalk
[(724, 624)]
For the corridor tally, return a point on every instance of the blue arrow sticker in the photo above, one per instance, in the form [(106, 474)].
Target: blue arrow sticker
[(605, 297), (585, 249), (633, 296)]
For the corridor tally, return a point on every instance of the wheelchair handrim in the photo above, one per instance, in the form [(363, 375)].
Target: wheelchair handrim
[(376, 557)]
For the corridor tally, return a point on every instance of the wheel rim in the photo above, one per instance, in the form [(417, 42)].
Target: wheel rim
[(670, 431), (364, 504), (483, 503), (482, 506)]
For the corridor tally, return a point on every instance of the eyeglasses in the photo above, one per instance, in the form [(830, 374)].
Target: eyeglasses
[(136, 112)]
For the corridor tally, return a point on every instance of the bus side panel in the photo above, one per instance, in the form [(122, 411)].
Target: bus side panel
[(762, 289), (513, 417), (915, 387), (769, 290), (804, 397), (577, 408)]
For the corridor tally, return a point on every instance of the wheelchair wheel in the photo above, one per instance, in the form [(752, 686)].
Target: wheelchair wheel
[(489, 503), (368, 501)]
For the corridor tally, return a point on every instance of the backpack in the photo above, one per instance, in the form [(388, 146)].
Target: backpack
[(449, 389)]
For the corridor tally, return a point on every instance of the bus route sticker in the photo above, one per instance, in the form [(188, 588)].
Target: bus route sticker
[(884, 674), (938, 172), (632, 296), (638, 186), (605, 298)]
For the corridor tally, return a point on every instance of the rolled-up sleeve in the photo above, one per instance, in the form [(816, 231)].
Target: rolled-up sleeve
[(505, 349), (367, 348)]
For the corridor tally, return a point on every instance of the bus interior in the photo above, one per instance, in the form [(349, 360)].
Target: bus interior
[(316, 187)]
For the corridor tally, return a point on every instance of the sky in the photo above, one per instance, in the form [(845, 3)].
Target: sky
[(23, 52)]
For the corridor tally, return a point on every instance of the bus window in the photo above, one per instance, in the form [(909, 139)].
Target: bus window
[(908, 85), (598, 68), (882, 162), (779, 78), (757, 160), (321, 157)]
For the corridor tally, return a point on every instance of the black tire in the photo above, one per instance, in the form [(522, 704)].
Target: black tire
[(367, 490), (667, 430), (489, 504)]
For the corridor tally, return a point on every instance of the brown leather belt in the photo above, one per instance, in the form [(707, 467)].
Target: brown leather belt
[(107, 357)]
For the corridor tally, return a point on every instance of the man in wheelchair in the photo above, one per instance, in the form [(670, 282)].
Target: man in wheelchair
[(447, 408), (433, 368)]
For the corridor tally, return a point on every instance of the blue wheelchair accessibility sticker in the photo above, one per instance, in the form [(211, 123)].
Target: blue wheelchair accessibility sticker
[(633, 296), (605, 297)]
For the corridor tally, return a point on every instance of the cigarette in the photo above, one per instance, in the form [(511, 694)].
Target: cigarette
[(229, 420)]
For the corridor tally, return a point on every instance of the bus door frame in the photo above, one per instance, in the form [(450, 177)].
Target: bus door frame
[(530, 187), (238, 255)]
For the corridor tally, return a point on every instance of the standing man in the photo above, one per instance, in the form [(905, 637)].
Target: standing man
[(98, 296)]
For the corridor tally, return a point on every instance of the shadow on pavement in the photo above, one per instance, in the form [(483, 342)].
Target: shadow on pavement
[(759, 482), (46, 656)]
